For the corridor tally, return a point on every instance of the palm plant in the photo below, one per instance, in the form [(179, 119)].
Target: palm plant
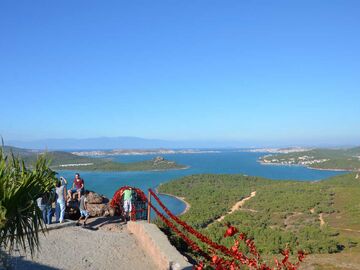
[(20, 218)]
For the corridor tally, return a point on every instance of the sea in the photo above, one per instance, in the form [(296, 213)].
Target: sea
[(216, 162)]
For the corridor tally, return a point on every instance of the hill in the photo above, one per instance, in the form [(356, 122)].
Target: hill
[(122, 142), (60, 160), (329, 159), (320, 217)]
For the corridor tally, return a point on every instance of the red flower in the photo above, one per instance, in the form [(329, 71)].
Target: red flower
[(215, 259), (285, 252), (234, 249), (252, 262), (231, 230), (200, 266), (242, 236), (264, 267), (301, 255), (277, 263)]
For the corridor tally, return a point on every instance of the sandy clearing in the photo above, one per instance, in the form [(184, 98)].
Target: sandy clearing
[(321, 218), (237, 206), (346, 229)]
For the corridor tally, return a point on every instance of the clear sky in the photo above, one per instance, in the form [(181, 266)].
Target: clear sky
[(205, 70)]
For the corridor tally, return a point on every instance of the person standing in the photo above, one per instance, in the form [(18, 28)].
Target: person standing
[(41, 206), (60, 202), (83, 210), (127, 204), (48, 200), (44, 204), (77, 187)]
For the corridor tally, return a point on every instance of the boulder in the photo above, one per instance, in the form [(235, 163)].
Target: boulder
[(97, 206), (98, 209), (94, 198), (112, 211)]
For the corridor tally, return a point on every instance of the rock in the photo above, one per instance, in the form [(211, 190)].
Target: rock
[(98, 209), (94, 198), (158, 159), (111, 211), (97, 206)]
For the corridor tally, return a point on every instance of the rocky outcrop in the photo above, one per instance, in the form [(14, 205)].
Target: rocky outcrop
[(98, 210), (158, 159), (95, 198), (97, 206)]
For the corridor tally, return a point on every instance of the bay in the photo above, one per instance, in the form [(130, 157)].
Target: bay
[(223, 162)]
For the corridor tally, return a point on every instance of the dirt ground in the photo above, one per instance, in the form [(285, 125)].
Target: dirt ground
[(112, 246)]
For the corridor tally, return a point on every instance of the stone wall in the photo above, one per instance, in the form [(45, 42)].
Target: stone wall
[(156, 244)]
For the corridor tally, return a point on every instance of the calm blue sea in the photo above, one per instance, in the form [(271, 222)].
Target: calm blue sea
[(225, 162)]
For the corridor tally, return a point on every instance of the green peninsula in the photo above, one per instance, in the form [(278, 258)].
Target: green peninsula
[(60, 160), (322, 217), (326, 159)]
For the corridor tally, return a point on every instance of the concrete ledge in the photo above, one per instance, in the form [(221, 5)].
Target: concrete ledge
[(156, 244)]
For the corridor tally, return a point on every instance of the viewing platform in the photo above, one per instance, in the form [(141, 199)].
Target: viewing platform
[(110, 244)]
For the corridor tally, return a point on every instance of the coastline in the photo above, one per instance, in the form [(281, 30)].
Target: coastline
[(104, 153), (187, 205), (308, 167), (153, 170)]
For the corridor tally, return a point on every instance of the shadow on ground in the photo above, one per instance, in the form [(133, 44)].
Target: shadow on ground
[(102, 221), (21, 263)]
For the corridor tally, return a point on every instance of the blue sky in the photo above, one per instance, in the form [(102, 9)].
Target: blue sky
[(261, 71)]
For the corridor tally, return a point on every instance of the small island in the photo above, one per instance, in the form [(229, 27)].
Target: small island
[(320, 159), (61, 160)]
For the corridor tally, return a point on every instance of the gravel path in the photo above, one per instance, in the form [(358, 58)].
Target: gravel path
[(110, 247), (237, 206)]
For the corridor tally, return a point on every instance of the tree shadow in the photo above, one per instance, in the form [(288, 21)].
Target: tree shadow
[(102, 221), (21, 263)]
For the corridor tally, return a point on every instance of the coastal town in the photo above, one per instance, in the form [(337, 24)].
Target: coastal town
[(301, 160), (126, 152), (287, 150)]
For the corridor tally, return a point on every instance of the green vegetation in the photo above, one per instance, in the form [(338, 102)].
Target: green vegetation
[(282, 213), (20, 218), (216, 193), (67, 161), (338, 159)]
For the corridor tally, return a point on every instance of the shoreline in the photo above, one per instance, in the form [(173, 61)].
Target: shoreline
[(187, 205), (308, 167), (153, 170)]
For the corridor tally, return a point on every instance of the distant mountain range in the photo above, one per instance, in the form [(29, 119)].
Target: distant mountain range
[(90, 143), (107, 143)]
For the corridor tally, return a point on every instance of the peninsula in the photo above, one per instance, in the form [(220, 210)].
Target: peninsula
[(321, 159), (319, 217), (60, 160)]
